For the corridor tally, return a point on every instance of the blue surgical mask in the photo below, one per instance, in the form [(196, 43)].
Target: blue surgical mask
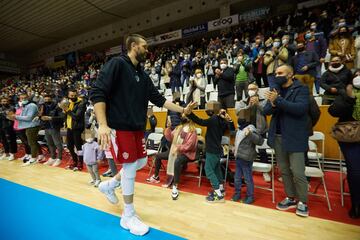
[(307, 36), (24, 102)]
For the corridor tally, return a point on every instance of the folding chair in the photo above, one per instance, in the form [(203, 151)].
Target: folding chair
[(153, 146), (225, 141), (213, 96), (317, 172), (342, 170), (159, 130), (199, 160), (318, 137), (266, 167)]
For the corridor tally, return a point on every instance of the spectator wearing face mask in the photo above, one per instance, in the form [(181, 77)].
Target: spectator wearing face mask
[(198, 62), (154, 78), (335, 80), (197, 89), (75, 125), (7, 132), (304, 64), (28, 121), (288, 135), (316, 44), (225, 79), (347, 108), (343, 46), (242, 69), (185, 70), (257, 48), (291, 47), (175, 75), (52, 119), (273, 59), (259, 69), (210, 66)]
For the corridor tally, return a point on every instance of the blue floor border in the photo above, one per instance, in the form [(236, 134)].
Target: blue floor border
[(27, 213)]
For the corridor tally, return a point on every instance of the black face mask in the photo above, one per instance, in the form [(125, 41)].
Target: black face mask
[(209, 112), (184, 120), (73, 99), (242, 123), (280, 80), (300, 49), (336, 65), (48, 103)]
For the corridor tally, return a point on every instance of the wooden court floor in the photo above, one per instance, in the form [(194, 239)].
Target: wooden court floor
[(189, 217)]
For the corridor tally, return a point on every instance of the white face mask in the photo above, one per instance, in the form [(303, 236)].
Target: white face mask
[(251, 93), (199, 75), (223, 66), (356, 82), (276, 44), (285, 41)]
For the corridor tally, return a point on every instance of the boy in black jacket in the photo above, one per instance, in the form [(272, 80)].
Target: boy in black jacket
[(216, 126)]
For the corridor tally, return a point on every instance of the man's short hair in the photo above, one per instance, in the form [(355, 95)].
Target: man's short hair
[(133, 38), (224, 60), (291, 69)]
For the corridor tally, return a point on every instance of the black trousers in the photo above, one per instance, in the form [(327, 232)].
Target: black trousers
[(351, 152), (160, 156), (74, 139), (180, 162), (22, 136), (258, 79), (8, 139)]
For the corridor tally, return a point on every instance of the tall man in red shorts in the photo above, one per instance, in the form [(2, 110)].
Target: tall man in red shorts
[(120, 96)]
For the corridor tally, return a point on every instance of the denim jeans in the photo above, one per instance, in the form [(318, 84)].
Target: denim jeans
[(244, 168)]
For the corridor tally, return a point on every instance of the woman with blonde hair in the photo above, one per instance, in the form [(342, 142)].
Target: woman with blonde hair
[(183, 149), (197, 89)]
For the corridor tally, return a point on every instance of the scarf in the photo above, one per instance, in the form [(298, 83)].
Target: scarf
[(69, 118), (336, 70)]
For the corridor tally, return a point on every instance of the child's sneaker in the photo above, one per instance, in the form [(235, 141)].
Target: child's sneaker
[(97, 182), (109, 192), (302, 209), (92, 182), (248, 200), (215, 198), (286, 204), (153, 179), (175, 194), (75, 169), (134, 225), (236, 197)]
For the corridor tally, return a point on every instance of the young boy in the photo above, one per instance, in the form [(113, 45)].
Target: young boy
[(246, 140), (216, 126)]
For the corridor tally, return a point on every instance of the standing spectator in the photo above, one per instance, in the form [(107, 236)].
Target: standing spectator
[(304, 64), (242, 69), (335, 80), (21, 134), (259, 69), (166, 70), (52, 118), (225, 79), (343, 46), (315, 42), (210, 66), (75, 125), (273, 59), (198, 62), (343, 108), (175, 75), (246, 139), (216, 125), (197, 88), (288, 135), (27, 120), (92, 153), (154, 78), (7, 132), (185, 70)]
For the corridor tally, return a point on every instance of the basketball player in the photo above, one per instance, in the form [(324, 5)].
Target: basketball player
[(120, 96)]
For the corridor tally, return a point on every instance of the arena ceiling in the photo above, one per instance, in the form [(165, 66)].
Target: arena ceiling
[(26, 25)]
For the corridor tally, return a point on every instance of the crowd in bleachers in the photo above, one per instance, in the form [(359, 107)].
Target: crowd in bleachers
[(239, 68)]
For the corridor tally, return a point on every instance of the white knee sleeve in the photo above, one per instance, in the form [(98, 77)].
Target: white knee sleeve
[(140, 163), (128, 175)]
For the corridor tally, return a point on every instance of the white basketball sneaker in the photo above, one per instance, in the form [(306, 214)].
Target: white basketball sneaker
[(134, 225), (49, 162), (109, 192), (30, 162)]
